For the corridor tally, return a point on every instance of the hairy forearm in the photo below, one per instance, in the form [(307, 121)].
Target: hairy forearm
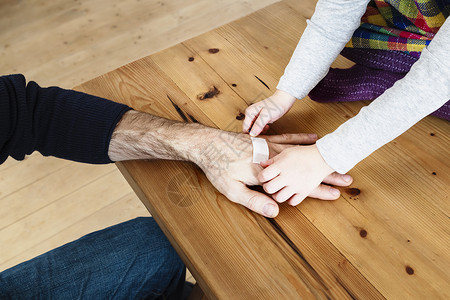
[(143, 136)]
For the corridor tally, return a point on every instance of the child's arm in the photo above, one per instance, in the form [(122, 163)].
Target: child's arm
[(293, 173), (329, 29), (423, 90), (327, 33)]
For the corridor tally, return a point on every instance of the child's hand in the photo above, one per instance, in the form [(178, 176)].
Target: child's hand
[(298, 172), (258, 115)]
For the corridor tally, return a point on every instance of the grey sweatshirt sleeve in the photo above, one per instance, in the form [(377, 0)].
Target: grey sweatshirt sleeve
[(329, 29), (423, 90)]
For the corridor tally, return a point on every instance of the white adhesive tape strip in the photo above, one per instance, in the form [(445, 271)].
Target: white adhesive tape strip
[(260, 150)]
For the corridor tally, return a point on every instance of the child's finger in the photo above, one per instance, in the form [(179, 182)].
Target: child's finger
[(283, 195), (265, 164), (259, 124), (274, 185), (251, 113), (269, 173), (296, 200)]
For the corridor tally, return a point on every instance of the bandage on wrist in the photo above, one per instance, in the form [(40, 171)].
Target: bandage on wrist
[(260, 150)]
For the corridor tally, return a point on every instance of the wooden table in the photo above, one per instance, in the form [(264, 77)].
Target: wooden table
[(386, 237)]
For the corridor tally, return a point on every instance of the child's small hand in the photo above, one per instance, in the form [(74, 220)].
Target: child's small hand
[(298, 172), (267, 111)]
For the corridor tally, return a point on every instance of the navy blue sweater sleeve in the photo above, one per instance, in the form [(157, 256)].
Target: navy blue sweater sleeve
[(57, 122)]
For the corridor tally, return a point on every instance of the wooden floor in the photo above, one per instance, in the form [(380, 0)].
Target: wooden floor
[(46, 202)]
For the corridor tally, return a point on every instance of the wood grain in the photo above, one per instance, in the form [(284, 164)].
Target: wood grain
[(386, 237), (398, 189), (64, 43)]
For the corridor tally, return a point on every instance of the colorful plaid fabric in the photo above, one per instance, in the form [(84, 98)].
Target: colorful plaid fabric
[(388, 42), (374, 72), (402, 25)]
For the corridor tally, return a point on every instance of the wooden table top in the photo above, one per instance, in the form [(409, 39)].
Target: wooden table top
[(386, 237)]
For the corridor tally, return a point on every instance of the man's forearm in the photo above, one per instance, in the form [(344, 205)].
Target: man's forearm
[(143, 136)]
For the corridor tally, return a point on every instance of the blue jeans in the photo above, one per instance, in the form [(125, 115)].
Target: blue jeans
[(131, 260)]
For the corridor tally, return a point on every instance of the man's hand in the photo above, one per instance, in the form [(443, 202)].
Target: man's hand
[(227, 162), (267, 111), (225, 157), (298, 172)]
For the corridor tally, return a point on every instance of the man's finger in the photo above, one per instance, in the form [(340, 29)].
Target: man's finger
[(256, 202), (274, 150), (338, 179), (260, 123), (325, 192), (292, 138)]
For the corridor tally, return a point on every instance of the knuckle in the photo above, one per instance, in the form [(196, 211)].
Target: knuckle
[(231, 197), (251, 110), (336, 175), (251, 202), (335, 178), (262, 176), (227, 193), (285, 136)]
